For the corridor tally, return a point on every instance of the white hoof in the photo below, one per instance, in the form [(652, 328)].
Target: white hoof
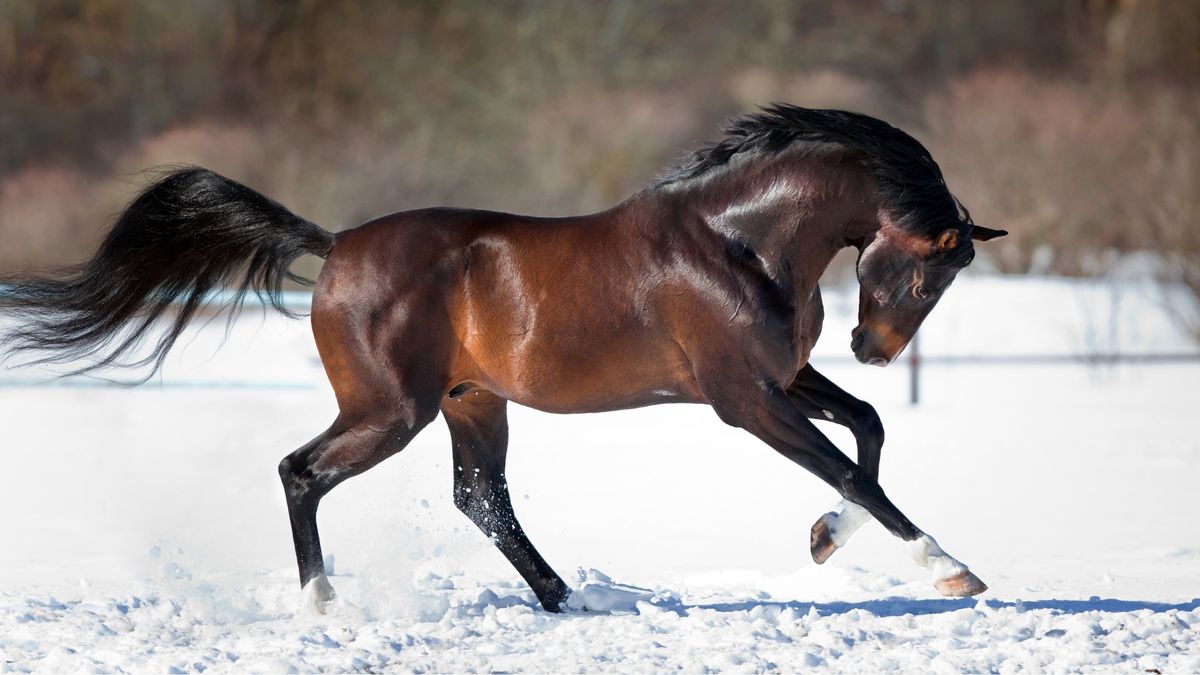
[(317, 595)]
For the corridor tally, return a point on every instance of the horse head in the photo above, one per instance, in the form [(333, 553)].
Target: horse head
[(901, 277)]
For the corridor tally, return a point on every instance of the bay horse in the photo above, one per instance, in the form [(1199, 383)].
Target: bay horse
[(700, 288)]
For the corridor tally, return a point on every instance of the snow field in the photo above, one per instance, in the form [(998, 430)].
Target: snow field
[(497, 629), (144, 530)]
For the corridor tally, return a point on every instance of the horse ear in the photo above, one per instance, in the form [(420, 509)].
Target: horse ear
[(947, 240), (980, 233)]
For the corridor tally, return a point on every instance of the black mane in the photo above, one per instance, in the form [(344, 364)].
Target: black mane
[(907, 179)]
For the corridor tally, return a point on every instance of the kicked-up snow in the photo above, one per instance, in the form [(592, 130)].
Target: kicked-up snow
[(144, 530), (460, 626)]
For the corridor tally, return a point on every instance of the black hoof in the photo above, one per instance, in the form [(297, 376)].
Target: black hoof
[(555, 600)]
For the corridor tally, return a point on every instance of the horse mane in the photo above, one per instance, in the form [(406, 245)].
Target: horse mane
[(908, 180)]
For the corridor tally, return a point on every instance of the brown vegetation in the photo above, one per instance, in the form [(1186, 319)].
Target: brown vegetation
[(1072, 123)]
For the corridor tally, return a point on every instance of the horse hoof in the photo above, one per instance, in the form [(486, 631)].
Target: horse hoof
[(555, 598), (961, 585), (554, 606), (820, 542), (317, 595)]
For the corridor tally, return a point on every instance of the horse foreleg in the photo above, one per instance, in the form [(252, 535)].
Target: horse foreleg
[(767, 412), (820, 399), (308, 474), (479, 431)]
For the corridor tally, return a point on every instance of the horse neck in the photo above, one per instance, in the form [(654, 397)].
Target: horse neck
[(795, 212)]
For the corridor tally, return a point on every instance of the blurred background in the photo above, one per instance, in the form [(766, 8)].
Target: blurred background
[(1075, 124)]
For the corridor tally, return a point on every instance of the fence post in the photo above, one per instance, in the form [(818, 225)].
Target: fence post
[(914, 370)]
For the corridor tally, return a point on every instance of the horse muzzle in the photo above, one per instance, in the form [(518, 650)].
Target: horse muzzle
[(875, 347)]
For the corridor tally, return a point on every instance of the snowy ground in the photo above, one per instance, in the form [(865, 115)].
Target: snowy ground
[(144, 530)]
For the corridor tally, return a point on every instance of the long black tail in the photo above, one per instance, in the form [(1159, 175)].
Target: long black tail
[(189, 233)]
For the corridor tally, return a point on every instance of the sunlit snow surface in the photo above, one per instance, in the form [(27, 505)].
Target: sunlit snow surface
[(144, 530)]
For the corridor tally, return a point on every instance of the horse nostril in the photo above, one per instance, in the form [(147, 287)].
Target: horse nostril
[(856, 341)]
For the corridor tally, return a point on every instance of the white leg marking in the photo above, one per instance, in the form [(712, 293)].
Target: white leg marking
[(844, 520), (929, 555), (317, 595)]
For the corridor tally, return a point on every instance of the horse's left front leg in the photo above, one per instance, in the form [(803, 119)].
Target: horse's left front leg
[(766, 411)]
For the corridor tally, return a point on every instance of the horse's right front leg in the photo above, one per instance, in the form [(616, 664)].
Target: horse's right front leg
[(767, 412), (820, 399)]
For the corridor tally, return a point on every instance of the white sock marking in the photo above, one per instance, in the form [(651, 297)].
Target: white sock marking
[(926, 552), (846, 518)]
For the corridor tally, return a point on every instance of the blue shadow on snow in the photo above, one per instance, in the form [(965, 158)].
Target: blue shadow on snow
[(903, 606)]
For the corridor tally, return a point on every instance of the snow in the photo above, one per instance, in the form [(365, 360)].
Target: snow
[(144, 529), (597, 592)]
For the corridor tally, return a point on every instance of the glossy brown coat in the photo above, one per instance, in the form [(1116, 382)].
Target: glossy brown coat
[(703, 292), (701, 288)]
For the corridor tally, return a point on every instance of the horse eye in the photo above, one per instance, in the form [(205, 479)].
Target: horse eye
[(920, 292)]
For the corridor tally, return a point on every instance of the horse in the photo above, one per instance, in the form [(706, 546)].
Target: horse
[(702, 287)]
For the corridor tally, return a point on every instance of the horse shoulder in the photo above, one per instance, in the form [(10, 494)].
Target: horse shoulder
[(740, 319)]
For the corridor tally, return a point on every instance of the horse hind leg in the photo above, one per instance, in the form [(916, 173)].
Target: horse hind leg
[(478, 425), (384, 401), (308, 474), (387, 372)]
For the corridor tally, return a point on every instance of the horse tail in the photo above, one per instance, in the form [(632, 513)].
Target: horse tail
[(189, 233)]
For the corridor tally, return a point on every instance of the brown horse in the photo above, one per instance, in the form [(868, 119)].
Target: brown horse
[(701, 288)]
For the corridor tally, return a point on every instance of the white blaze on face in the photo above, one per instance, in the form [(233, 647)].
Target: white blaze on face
[(926, 552), (844, 520)]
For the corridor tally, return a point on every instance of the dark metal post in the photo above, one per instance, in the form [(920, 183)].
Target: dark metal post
[(914, 370)]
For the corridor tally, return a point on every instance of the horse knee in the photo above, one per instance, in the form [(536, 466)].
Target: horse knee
[(867, 425)]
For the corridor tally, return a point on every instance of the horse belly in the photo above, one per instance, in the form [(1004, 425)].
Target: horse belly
[(583, 370), (563, 334)]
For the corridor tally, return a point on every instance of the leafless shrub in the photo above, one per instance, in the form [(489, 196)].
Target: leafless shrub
[(43, 218), (1076, 171)]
